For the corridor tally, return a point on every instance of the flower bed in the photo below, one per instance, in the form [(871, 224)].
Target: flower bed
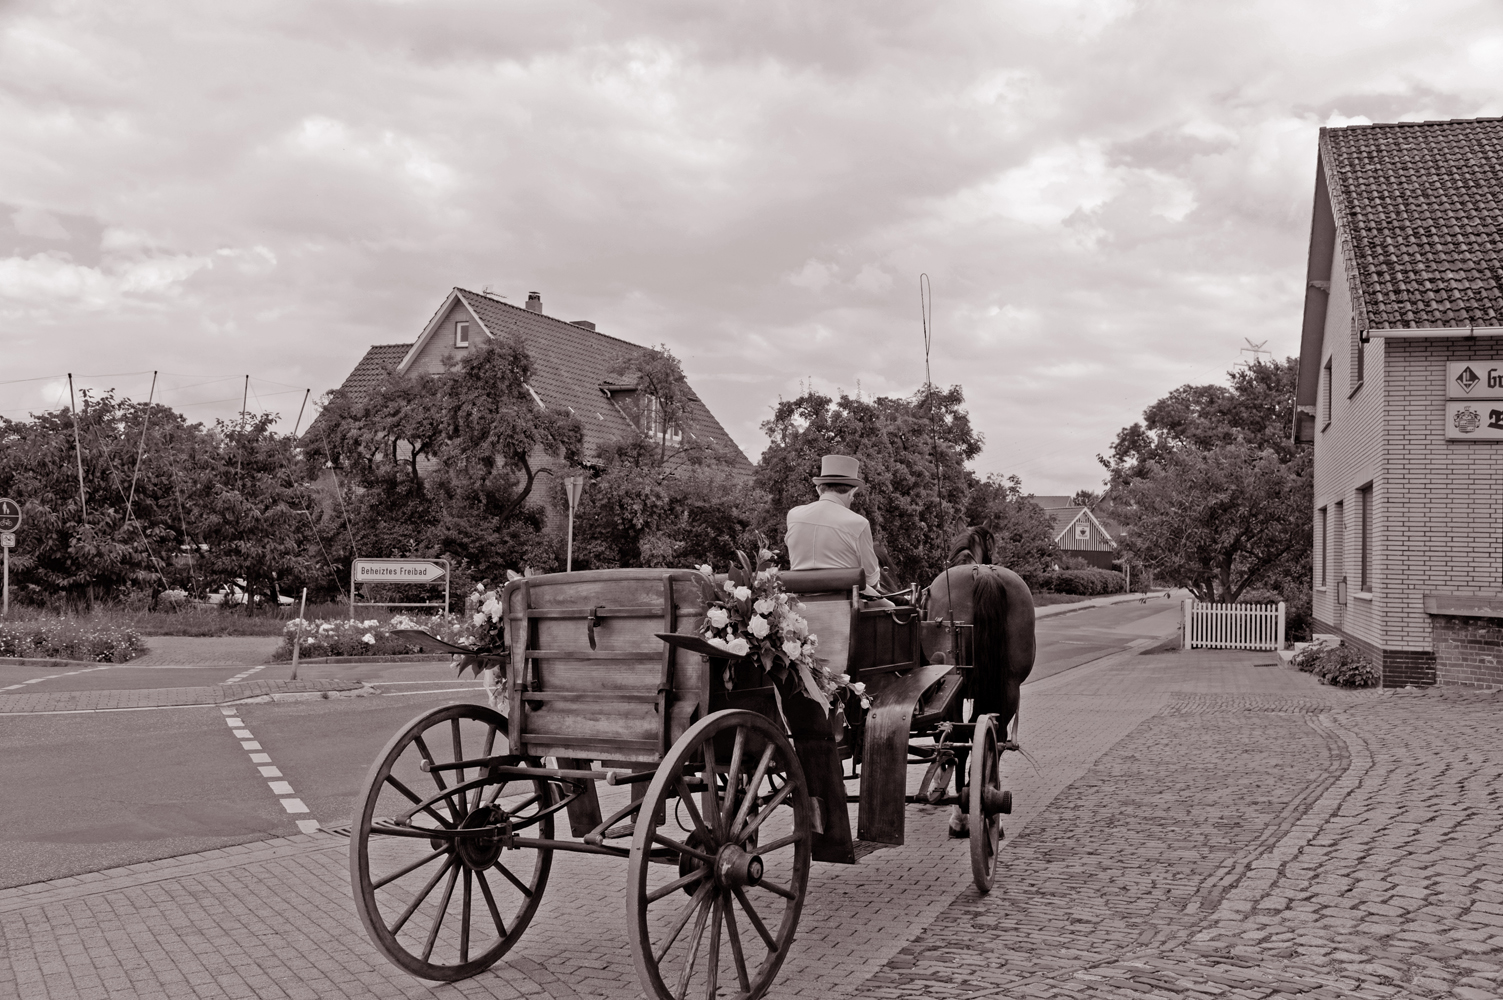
[(340, 637), (70, 639), (1340, 666)]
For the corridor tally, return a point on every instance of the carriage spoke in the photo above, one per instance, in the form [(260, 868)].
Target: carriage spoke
[(730, 778), (713, 979), (752, 786), (464, 799), (410, 868), (777, 845), (695, 937), (513, 879), (490, 902), (490, 743), (745, 834), (773, 887), (417, 800), (687, 798), (678, 883), (756, 921), (438, 779), (464, 921), (418, 899), (443, 909), (734, 937), (682, 848), (683, 919)]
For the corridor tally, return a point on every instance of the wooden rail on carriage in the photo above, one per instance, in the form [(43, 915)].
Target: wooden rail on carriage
[(717, 807)]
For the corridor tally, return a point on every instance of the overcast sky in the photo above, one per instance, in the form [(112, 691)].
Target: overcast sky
[(1108, 196)]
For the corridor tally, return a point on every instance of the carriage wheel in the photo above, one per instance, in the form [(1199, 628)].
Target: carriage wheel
[(987, 802), (441, 906), (735, 838)]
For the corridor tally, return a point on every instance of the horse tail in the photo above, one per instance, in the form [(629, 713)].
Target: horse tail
[(989, 651)]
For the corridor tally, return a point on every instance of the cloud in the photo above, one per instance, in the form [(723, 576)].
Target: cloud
[(1108, 195)]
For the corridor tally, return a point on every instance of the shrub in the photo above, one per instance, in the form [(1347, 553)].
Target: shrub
[(1339, 666), (1083, 582), (70, 639)]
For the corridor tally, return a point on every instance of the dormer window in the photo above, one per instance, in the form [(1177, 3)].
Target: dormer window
[(461, 334), (653, 422)]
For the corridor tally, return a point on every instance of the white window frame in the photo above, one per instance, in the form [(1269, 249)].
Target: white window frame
[(462, 333)]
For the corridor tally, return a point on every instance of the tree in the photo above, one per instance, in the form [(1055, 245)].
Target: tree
[(1022, 534), (1217, 498), (659, 406), (912, 451)]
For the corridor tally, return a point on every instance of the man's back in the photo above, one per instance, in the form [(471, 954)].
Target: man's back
[(825, 535)]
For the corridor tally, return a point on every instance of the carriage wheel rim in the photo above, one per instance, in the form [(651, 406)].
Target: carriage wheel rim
[(475, 922), (737, 916), (985, 829)]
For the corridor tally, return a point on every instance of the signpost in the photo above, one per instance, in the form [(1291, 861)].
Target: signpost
[(10, 520), (419, 571), (573, 487)]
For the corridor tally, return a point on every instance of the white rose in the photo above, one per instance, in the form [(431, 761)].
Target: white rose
[(715, 640), (741, 593), (765, 606), (479, 618), (759, 627), (718, 617), (792, 648), (738, 647), (858, 688), (730, 588), (368, 638), (706, 569)]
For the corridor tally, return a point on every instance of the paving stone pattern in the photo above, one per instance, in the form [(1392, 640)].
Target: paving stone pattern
[(1238, 849)]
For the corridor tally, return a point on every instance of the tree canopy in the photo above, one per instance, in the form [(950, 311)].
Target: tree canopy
[(1217, 497)]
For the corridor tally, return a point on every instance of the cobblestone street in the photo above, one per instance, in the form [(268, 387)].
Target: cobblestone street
[(1191, 825)]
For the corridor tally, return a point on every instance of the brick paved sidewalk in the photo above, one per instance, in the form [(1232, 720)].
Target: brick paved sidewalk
[(1197, 825)]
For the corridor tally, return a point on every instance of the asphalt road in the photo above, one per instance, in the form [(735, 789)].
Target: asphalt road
[(86, 791)]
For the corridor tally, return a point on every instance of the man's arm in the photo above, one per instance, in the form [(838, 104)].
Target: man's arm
[(868, 554)]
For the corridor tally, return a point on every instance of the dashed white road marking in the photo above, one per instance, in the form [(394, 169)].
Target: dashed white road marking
[(244, 674), (281, 789), (69, 673)]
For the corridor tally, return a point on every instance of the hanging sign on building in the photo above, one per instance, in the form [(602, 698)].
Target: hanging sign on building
[(1474, 380)]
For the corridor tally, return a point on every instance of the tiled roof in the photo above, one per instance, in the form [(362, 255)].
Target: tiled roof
[(569, 365), (1419, 211), (379, 360)]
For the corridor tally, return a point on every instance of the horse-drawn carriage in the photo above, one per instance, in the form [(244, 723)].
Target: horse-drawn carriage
[(717, 788)]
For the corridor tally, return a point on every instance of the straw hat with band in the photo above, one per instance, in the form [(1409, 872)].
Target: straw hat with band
[(840, 470)]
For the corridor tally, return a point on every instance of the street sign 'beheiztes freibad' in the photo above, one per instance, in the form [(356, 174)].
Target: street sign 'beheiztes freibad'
[(398, 571), (10, 515)]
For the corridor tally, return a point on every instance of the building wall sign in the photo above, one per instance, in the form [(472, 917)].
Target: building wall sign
[(1474, 380), (1478, 420)]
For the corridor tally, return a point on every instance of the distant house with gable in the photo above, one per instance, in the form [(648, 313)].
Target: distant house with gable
[(1079, 532), (1401, 396), (574, 368)]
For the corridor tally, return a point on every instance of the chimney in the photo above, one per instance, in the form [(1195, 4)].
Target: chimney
[(534, 302), (584, 324)]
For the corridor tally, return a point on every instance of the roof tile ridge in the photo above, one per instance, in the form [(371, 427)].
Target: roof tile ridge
[(1340, 213), (551, 319)]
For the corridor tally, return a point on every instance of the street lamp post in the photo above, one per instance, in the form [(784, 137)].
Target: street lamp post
[(573, 487)]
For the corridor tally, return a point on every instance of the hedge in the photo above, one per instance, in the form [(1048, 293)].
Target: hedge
[(1083, 582)]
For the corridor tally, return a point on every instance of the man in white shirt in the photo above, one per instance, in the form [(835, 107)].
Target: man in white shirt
[(827, 534)]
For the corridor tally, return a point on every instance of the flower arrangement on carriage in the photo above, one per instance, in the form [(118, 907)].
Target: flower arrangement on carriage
[(751, 616)]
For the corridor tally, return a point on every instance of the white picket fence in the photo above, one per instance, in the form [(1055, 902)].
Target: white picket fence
[(1234, 626)]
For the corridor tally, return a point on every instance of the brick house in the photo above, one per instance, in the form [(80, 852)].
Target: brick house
[(1079, 532), (1403, 332), (572, 369)]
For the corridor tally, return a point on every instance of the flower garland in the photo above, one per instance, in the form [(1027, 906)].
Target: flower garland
[(763, 621)]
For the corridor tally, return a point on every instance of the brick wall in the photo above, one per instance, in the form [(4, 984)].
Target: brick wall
[(1396, 667), (1441, 529), (1468, 651)]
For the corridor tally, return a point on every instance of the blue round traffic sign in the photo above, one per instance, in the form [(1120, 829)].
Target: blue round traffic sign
[(10, 514)]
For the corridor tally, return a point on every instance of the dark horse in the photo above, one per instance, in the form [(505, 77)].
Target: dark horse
[(999, 606)]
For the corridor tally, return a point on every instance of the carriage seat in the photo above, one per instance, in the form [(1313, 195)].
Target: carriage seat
[(815, 581)]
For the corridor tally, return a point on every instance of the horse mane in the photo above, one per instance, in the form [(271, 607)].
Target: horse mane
[(989, 649), (973, 545)]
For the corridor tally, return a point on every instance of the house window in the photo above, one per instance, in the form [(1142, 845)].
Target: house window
[(461, 335), (653, 424), (1325, 402), (1365, 512), (1320, 545)]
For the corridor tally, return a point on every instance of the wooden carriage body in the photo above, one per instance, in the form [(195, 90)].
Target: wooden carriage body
[(590, 680)]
